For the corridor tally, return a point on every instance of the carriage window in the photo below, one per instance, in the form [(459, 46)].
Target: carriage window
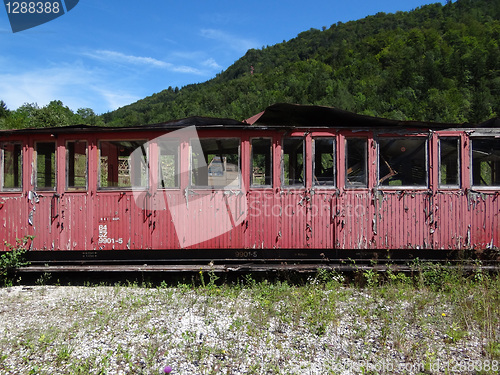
[(76, 159), (45, 165), (402, 162), (122, 164), (486, 161), (324, 162), (356, 158), (215, 163), (11, 166), (169, 164), (261, 174), (293, 162), (449, 161)]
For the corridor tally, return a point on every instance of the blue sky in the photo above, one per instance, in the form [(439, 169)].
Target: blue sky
[(105, 54)]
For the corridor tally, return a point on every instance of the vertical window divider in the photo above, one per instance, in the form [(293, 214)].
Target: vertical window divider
[(356, 163), (323, 169), (45, 174), (11, 167), (293, 162), (261, 162), (76, 161)]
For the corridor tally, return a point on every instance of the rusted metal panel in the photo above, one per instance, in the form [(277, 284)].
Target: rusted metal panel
[(292, 220), (208, 219), (322, 212), (165, 211), (43, 219), (484, 210), (450, 221), (13, 219), (201, 221), (120, 223), (354, 221), (261, 227), (74, 223), (402, 219)]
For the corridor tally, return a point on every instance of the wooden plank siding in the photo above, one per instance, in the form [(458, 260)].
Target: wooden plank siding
[(250, 217)]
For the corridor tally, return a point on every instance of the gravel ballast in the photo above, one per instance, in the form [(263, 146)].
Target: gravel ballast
[(134, 330)]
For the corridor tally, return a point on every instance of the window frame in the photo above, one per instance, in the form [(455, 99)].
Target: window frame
[(35, 167), (77, 188), (265, 186), (471, 141), (99, 168), (177, 166), (192, 186), (2, 167), (316, 185), (459, 164), (346, 150), (427, 169), (301, 185)]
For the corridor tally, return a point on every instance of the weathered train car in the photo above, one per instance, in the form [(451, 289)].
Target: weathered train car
[(294, 182)]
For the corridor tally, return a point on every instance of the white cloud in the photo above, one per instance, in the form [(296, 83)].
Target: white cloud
[(43, 85), (119, 79), (198, 57), (75, 85), (116, 99), (211, 63), (187, 55), (234, 42), (186, 69), (121, 58)]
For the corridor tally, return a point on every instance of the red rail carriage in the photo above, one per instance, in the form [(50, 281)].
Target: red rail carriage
[(294, 182)]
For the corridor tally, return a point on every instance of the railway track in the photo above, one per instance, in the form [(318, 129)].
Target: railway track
[(159, 262)]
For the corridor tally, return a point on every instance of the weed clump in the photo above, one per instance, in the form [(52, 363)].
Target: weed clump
[(12, 259)]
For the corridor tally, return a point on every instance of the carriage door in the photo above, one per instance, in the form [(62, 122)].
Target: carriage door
[(13, 214), (354, 213), (71, 206), (122, 212), (43, 196), (324, 191)]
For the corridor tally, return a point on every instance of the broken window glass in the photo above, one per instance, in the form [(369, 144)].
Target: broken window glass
[(324, 162), (486, 161), (45, 165), (12, 166), (215, 162), (293, 162), (169, 164), (76, 159), (261, 174), (356, 157), (121, 166), (449, 161), (402, 162)]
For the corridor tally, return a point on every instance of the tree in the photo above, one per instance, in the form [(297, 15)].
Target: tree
[(87, 116), (4, 111), (54, 114)]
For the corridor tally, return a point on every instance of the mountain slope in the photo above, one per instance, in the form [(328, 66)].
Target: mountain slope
[(437, 63)]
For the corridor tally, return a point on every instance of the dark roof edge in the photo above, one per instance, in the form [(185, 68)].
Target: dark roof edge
[(276, 116), (297, 115), (198, 121)]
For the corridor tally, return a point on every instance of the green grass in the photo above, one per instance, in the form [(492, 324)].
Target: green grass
[(256, 326)]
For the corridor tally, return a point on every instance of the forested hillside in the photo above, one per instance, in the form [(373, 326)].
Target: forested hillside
[(438, 63)]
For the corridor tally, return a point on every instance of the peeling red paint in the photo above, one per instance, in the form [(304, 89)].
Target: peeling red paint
[(305, 217)]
